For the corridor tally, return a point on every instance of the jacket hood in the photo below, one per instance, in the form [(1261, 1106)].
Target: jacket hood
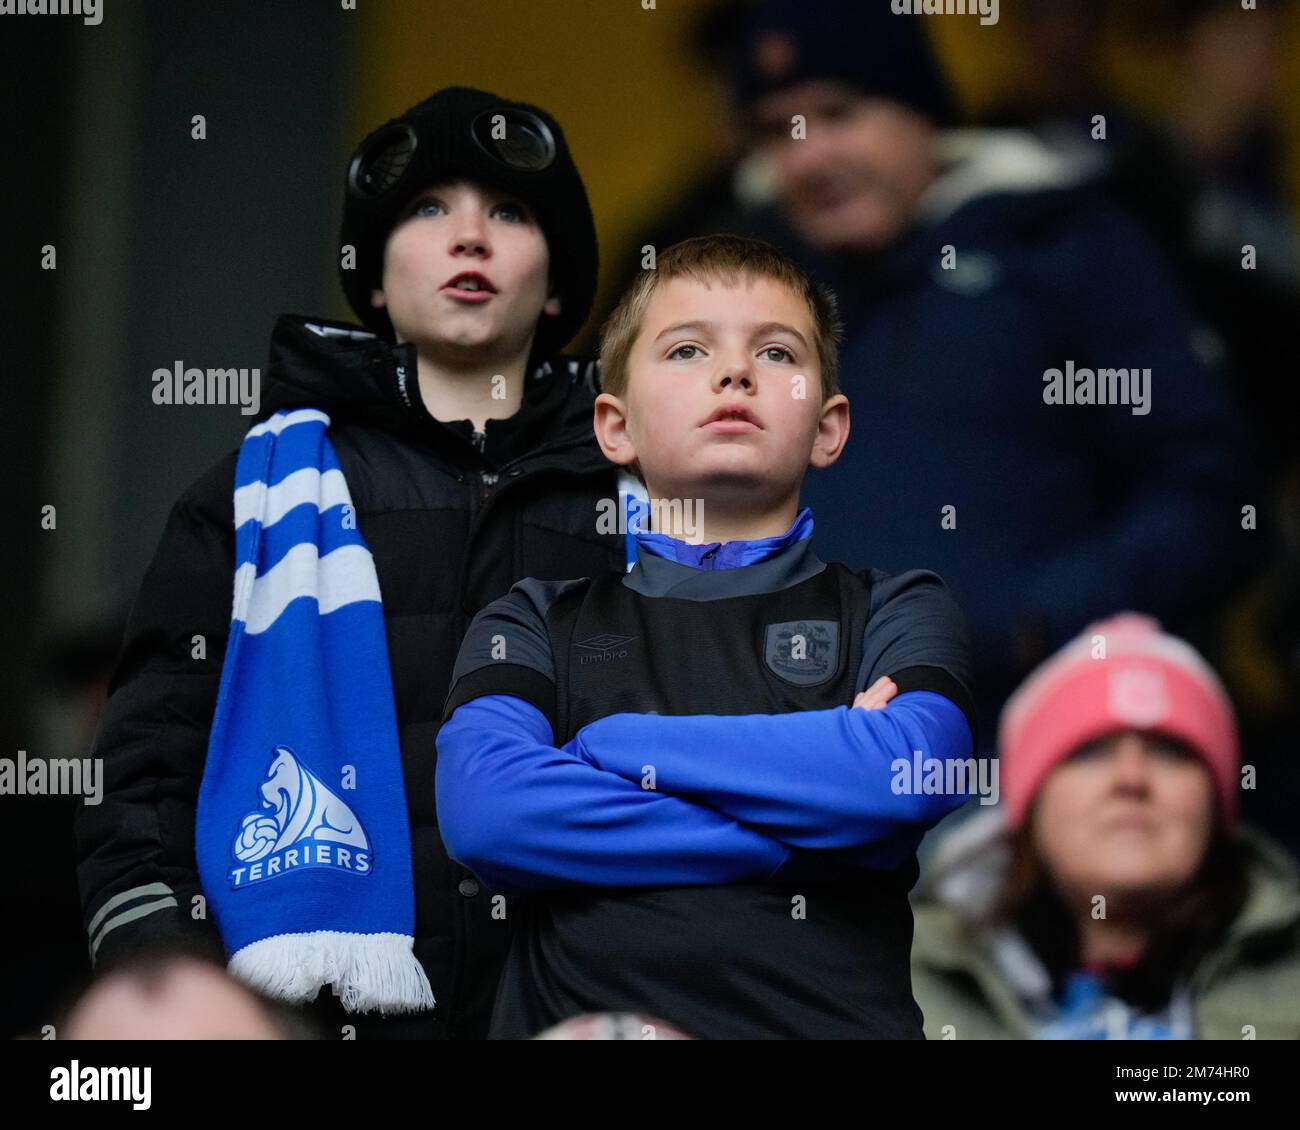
[(997, 189), (979, 164), (353, 375)]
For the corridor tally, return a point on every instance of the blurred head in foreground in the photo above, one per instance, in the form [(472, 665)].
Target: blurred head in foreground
[(177, 997), (612, 1026)]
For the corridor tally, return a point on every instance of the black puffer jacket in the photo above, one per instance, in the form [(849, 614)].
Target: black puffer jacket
[(453, 518)]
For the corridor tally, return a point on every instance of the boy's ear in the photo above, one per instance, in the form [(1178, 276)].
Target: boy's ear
[(377, 298), (610, 426), (832, 432)]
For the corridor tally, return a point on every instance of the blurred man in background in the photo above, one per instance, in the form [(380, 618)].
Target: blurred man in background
[(972, 266)]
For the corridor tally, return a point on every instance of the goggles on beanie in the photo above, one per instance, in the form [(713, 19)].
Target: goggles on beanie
[(516, 139)]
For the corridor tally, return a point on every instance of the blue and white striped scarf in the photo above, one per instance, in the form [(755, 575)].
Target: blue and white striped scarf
[(302, 838)]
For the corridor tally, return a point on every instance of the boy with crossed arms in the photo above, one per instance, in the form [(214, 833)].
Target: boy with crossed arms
[(663, 763)]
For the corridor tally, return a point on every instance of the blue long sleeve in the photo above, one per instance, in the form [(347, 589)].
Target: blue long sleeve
[(523, 815), (818, 779)]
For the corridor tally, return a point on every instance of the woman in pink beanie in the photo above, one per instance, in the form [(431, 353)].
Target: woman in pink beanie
[(1115, 893)]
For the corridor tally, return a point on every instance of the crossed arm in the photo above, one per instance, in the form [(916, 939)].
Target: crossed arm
[(733, 797)]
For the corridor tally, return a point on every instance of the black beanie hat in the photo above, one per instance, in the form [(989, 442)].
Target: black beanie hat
[(516, 148), (860, 43)]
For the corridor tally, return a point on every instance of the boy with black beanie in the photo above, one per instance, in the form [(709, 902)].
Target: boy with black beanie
[(468, 252)]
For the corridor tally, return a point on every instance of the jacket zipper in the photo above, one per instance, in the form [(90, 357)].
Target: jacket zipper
[(478, 438), (512, 470), (488, 478), (480, 505)]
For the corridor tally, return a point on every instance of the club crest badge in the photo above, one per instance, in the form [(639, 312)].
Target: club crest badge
[(803, 652), (1139, 696), (301, 823)]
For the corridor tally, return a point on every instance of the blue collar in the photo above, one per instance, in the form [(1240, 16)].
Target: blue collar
[(725, 554)]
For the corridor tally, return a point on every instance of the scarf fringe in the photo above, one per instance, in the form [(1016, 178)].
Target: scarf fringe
[(368, 972)]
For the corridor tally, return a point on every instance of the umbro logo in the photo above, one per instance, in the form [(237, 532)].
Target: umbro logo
[(604, 648)]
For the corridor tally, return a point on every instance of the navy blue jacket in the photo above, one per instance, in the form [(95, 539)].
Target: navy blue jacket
[(1064, 513)]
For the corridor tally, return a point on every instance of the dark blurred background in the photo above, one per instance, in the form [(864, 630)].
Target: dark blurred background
[(169, 249)]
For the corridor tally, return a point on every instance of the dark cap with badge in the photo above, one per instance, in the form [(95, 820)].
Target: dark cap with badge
[(861, 43)]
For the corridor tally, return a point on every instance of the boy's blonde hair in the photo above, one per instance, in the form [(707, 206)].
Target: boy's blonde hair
[(726, 258)]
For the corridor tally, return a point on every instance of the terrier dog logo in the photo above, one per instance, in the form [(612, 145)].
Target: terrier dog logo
[(301, 823)]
